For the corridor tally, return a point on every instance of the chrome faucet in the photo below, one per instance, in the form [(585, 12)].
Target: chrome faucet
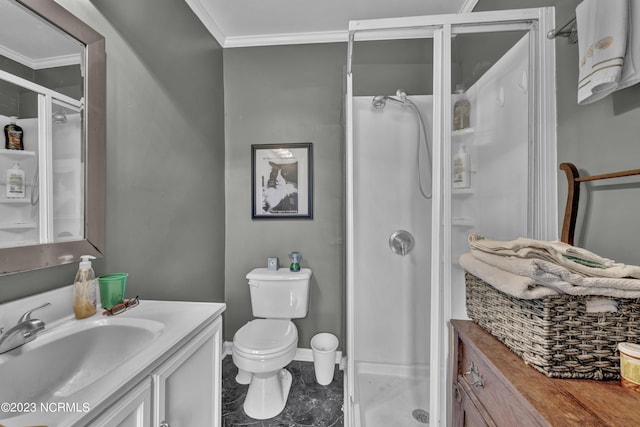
[(25, 331)]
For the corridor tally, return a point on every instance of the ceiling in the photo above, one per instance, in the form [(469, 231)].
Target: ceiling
[(238, 23), (40, 45)]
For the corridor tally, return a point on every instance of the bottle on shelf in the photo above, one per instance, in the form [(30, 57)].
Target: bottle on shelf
[(13, 135), (461, 110), (16, 186), (461, 168)]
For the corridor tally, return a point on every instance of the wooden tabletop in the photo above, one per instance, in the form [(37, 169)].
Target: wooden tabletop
[(561, 402)]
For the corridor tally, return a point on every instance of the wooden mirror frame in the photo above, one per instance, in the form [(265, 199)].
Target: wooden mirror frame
[(31, 257)]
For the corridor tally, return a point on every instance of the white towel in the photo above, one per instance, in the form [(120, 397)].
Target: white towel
[(574, 258), (602, 43), (631, 66), (554, 276), (504, 281)]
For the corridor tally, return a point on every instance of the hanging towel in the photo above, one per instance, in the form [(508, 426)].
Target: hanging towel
[(631, 66), (602, 43)]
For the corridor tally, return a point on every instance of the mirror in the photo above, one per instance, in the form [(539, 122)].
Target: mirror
[(52, 79)]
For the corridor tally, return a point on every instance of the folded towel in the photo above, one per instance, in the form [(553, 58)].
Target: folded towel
[(509, 283), (574, 258), (602, 43), (554, 276)]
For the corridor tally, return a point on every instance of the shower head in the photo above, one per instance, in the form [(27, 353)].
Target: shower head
[(379, 101)]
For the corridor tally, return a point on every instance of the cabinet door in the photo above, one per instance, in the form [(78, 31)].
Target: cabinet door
[(131, 410), (465, 411), (187, 388)]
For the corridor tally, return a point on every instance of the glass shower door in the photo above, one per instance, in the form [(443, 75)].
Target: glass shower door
[(503, 182)]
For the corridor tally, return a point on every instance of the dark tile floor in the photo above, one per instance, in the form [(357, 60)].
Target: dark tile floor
[(309, 403)]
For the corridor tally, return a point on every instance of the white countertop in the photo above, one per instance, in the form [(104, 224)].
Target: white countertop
[(181, 320)]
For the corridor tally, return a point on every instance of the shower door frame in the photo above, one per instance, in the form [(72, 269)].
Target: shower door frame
[(542, 224)]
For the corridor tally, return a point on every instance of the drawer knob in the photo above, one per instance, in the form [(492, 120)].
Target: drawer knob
[(476, 378)]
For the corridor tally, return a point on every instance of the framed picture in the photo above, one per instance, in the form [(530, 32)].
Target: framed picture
[(282, 180)]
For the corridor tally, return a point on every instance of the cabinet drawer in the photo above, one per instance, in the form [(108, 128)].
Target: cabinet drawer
[(496, 397)]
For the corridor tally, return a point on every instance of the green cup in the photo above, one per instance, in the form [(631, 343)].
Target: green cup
[(112, 288)]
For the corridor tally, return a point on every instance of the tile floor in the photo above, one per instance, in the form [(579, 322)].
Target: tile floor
[(309, 404)]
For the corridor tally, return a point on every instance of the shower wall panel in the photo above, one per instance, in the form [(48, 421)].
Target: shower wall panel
[(391, 291)]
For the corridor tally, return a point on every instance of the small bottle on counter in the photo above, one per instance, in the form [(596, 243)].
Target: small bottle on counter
[(13, 135), (16, 186), (85, 293)]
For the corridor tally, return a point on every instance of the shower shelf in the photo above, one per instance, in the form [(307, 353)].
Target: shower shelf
[(16, 226), (462, 222), (462, 191), (462, 132), (17, 154)]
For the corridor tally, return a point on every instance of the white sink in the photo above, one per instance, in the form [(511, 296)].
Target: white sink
[(63, 360)]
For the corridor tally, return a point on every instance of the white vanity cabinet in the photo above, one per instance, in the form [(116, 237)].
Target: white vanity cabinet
[(187, 387), (131, 410), (184, 390)]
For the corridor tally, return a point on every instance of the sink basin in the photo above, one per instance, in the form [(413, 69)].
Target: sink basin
[(67, 358)]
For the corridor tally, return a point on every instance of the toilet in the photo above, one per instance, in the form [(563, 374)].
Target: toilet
[(264, 346)]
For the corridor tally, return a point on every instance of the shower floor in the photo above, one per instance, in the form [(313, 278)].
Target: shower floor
[(389, 399)]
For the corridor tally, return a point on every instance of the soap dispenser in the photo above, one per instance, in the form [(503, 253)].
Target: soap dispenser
[(295, 258), (85, 293)]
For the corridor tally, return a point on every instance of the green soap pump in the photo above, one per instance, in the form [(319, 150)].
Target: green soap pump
[(295, 258)]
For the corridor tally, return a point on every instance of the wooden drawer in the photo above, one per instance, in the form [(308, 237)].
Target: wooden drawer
[(496, 396)]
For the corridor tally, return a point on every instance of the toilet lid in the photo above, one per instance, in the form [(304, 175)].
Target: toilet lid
[(265, 336)]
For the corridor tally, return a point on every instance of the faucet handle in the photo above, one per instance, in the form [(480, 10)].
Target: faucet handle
[(27, 316)]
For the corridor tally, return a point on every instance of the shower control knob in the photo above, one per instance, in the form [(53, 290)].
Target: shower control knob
[(401, 242)]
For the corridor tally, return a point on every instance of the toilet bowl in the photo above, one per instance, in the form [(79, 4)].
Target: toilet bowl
[(261, 349)]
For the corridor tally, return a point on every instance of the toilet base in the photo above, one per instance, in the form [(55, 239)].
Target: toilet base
[(267, 394)]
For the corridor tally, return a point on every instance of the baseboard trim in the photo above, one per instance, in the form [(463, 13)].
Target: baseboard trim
[(302, 354)]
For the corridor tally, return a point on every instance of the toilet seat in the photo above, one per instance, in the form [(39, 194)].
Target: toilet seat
[(263, 337)]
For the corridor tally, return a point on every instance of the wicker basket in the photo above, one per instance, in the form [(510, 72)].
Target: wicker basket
[(555, 334)]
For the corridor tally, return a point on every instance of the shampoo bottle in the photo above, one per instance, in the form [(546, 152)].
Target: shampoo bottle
[(13, 135), (461, 171), (461, 110), (85, 293), (15, 182)]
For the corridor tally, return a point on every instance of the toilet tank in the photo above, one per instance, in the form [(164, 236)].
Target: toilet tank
[(280, 294)]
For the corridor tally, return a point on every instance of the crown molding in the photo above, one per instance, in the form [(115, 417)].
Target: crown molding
[(38, 64), (286, 38), (207, 20)]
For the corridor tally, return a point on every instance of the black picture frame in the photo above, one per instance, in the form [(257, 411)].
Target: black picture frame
[(282, 181)]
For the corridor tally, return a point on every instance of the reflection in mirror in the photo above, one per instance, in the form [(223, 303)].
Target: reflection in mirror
[(52, 82)]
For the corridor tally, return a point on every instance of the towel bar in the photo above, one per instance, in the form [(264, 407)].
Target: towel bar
[(567, 29)]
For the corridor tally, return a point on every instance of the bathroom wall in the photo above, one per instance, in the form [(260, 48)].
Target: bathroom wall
[(598, 138), (165, 154), (295, 94), (286, 94)]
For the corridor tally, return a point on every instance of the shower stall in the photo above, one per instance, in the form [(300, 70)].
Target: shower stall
[(407, 223)]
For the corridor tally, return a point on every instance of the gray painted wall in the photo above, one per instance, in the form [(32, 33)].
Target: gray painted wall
[(598, 138), (165, 154), (278, 95)]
